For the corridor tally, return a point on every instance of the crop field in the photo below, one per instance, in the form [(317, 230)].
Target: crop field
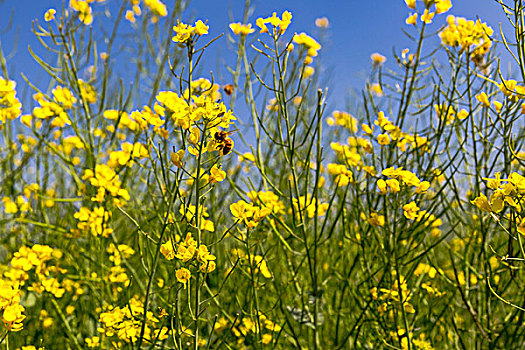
[(164, 187)]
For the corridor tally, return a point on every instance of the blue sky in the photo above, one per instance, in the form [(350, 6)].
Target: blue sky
[(357, 29)]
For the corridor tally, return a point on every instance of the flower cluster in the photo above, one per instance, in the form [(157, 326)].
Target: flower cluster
[(186, 34), (398, 177), (204, 107), (511, 90), (12, 310), (267, 199), (343, 119), (441, 6), (391, 132), (187, 251), (343, 176), (312, 47), (29, 265), (127, 154), (506, 192), (125, 323), (107, 182), (52, 108), (308, 205), (255, 262), (279, 24), (249, 214), (398, 295), (93, 221), (241, 29), (10, 106), (247, 327), (156, 7), (448, 114), (85, 12), (467, 35), (373, 219)]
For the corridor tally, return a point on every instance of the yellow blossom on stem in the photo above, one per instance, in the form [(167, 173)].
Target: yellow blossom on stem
[(241, 29), (85, 12), (377, 59), (411, 19), (411, 4), (483, 99), (427, 16), (177, 158), (281, 23), (443, 6), (183, 275), (50, 15), (216, 174), (322, 22), (410, 210), (383, 139), (185, 32)]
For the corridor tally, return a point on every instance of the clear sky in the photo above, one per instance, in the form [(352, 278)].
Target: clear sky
[(357, 29)]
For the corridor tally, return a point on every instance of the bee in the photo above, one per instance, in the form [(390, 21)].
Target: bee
[(224, 142), (228, 89)]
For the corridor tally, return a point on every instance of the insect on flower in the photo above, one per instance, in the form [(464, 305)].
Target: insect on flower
[(224, 143)]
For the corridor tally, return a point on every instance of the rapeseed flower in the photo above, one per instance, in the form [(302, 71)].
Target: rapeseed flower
[(322, 22), (281, 23), (50, 15), (186, 33), (241, 29), (183, 276)]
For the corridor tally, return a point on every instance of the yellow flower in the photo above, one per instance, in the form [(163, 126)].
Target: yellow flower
[(377, 59), (85, 13), (411, 3), (281, 23), (482, 203), (157, 7), (367, 129), (443, 6), (381, 185), (177, 158), (201, 28), (322, 22), (465, 34), (130, 16), (498, 106), (167, 250), (483, 99), (186, 32), (216, 174), (308, 72), (183, 275), (423, 187), (343, 119), (308, 42), (376, 89), (241, 29), (383, 139), (393, 184), (260, 265), (50, 15), (9, 206), (374, 219), (411, 19), (427, 16), (13, 316), (410, 210)]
